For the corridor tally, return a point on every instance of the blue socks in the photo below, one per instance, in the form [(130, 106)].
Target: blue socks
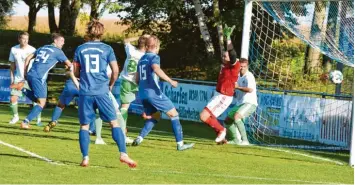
[(84, 140), (29, 94), (56, 113), (119, 138), (177, 129), (36, 110), (148, 126), (92, 127)]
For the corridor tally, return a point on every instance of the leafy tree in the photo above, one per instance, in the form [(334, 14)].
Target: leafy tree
[(98, 7), (34, 7), (176, 24), (317, 32), (5, 10), (51, 5), (69, 11)]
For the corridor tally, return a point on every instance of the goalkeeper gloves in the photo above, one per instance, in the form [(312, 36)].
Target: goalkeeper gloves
[(227, 31)]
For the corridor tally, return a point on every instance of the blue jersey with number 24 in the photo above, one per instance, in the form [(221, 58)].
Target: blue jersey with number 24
[(46, 58), (148, 80), (93, 58)]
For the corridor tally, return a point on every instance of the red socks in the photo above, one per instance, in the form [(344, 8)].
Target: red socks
[(214, 123)]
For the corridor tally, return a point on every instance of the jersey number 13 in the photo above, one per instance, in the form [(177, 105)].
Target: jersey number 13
[(92, 63)]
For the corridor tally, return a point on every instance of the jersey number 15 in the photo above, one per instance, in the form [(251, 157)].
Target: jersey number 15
[(143, 72)]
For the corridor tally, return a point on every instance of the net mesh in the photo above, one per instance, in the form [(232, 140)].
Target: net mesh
[(325, 25), (292, 45)]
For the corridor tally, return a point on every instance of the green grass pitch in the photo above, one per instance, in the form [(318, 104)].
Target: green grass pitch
[(158, 160)]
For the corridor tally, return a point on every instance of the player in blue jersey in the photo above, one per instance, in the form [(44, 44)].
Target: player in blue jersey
[(152, 97), (46, 58), (90, 63), (70, 91)]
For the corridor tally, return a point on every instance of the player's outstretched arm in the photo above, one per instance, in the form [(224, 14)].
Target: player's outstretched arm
[(163, 76), (27, 62), (114, 75), (129, 40), (227, 32), (70, 73)]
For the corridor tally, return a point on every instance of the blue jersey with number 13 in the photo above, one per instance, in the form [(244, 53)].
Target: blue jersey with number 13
[(93, 58)]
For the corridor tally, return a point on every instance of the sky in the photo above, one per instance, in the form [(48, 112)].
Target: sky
[(21, 9)]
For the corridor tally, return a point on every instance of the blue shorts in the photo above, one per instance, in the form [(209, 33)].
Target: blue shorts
[(157, 103), (69, 92), (38, 86), (88, 105)]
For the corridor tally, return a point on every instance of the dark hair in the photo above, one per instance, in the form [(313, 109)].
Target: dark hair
[(244, 60), (23, 33), (95, 30), (56, 36)]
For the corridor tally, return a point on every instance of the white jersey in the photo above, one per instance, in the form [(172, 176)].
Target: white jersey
[(108, 71), (130, 66), (18, 55), (247, 80)]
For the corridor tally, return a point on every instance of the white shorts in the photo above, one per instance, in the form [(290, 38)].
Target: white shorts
[(219, 103)]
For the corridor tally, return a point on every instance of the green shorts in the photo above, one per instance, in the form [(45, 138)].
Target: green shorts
[(245, 110), (15, 92), (128, 91)]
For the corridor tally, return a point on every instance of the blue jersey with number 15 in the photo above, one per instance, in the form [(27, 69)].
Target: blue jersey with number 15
[(93, 58), (46, 58), (148, 80)]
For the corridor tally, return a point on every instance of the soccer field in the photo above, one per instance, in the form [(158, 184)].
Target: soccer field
[(55, 157)]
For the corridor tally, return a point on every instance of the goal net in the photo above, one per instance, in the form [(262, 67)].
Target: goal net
[(293, 45)]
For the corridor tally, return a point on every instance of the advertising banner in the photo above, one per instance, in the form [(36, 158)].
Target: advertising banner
[(5, 90)]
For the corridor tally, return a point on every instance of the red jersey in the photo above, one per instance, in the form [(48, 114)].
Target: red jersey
[(227, 78)]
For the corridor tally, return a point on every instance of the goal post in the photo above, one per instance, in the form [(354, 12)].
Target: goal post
[(290, 46)]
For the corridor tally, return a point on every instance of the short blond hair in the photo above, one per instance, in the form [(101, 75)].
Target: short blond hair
[(152, 42)]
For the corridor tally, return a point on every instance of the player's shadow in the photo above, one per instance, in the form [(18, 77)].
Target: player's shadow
[(273, 157), (332, 155), (70, 163), (38, 135), (20, 156)]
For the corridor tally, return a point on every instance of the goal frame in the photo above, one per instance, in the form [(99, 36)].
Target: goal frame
[(248, 7)]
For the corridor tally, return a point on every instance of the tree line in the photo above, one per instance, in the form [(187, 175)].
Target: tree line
[(180, 24)]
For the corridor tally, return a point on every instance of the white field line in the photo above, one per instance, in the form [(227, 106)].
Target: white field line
[(302, 154), (31, 153), (168, 171)]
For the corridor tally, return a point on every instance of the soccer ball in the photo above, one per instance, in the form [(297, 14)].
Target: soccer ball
[(336, 77)]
